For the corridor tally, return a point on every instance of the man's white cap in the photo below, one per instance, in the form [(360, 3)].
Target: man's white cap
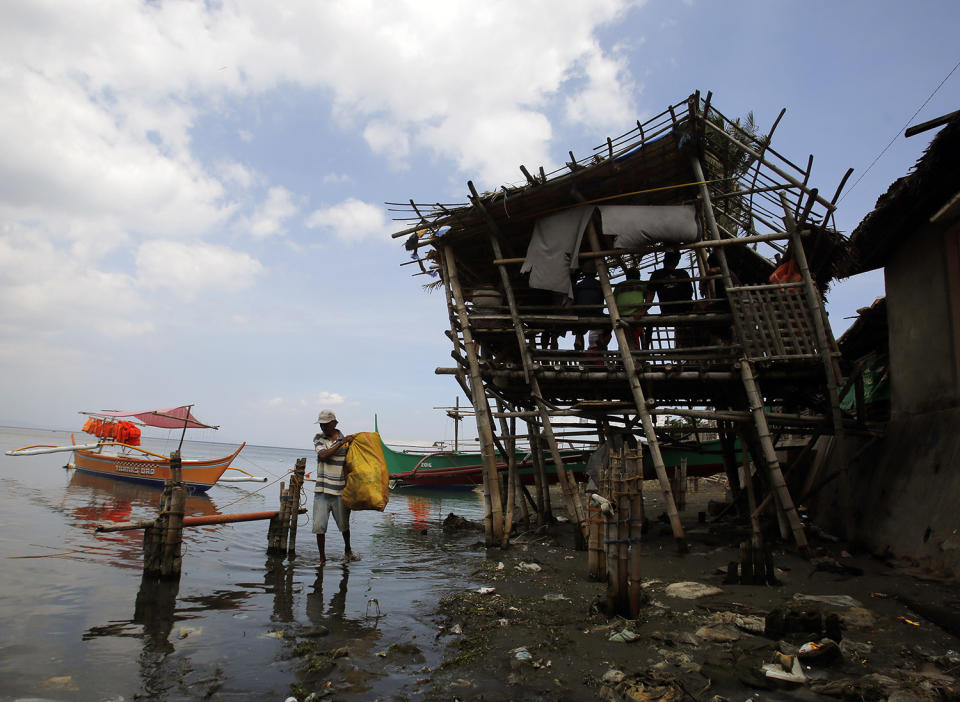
[(326, 416)]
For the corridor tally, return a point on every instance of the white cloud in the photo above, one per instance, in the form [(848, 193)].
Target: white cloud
[(389, 140), (271, 216), (607, 99), (236, 173), (326, 399), (351, 221), (334, 178), (187, 269), (48, 293)]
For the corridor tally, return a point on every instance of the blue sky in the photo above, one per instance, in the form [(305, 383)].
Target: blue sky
[(191, 194)]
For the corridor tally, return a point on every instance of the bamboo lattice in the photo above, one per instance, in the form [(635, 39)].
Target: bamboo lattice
[(773, 322)]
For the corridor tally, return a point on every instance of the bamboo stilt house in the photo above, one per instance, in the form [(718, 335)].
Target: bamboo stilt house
[(545, 323)]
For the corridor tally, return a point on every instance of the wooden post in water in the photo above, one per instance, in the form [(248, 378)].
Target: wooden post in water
[(296, 487), (162, 541), (277, 532)]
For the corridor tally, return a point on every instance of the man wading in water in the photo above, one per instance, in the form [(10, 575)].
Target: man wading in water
[(331, 446)]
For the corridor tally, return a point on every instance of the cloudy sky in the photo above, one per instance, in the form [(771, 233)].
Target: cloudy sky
[(191, 193)]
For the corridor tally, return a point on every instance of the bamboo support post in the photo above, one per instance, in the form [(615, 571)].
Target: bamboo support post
[(296, 489), (512, 480), (612, 537), (493, 522), (162, 541), (623, 538), (544, 506), (630, 368), (574, 507), (637, 597), (277, 532), (826, 343), (778, 485)]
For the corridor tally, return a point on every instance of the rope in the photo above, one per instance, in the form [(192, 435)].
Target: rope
[(254, 492)]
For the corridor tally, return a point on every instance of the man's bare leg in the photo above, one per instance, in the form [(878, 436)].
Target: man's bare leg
[(321, 545)]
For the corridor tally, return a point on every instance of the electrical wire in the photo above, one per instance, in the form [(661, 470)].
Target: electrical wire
[(895, 136)]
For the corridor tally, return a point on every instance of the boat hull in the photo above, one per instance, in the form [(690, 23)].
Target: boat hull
[(199, 476), (447, 469), (456, 470)]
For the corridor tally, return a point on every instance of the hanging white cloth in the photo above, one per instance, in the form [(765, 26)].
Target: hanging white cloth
[(555, 244)]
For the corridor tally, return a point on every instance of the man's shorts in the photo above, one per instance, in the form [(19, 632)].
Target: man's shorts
[(323, 505)]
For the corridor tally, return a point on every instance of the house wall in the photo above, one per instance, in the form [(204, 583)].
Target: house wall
[(905, 484), (905, 491), (923, 359)]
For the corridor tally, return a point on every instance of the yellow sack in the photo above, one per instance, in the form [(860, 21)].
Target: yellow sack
[(367, 482)]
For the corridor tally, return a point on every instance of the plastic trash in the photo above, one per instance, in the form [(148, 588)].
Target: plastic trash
[(613, 676), (780, 670), (691, 590), (623, 636), (529, 567), (824, 652), (520, 657), (486, 590)]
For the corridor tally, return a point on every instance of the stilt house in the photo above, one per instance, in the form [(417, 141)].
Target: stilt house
[(533, 273)]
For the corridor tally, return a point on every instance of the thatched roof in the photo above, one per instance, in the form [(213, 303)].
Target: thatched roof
[(909, 203), (648, 165)]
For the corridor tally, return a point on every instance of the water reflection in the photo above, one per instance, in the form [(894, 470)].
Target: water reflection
[(278, 578), (338, 602), (154, 611), (420, 511), (99, 499)]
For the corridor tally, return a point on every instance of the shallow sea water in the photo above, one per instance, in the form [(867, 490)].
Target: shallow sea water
[(79, 625)]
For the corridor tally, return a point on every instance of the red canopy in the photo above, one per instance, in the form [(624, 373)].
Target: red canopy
[(172, 418)]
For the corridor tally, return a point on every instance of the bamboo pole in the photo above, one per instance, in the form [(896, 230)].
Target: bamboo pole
[(494, 524), (296, 488), (540, 474), (170, 559), (824, 339), (512, 479), (612, 538), (462, 381), (623, 536), (635, 531), (640, 401), (770, 455), (573, 504), (693, 246), (276, 538), (746, 480), (793, 181), (205, 520)]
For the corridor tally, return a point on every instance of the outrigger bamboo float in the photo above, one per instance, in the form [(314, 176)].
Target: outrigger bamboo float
[(118, 455)]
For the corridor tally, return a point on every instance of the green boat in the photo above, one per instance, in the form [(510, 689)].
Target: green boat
[(458, 469)]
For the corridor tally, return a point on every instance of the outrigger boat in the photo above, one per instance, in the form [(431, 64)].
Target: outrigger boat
[(118, 455), (459, 469), (455, 469)]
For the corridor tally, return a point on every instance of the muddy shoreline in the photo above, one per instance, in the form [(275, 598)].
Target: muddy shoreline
[(535, 627)]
